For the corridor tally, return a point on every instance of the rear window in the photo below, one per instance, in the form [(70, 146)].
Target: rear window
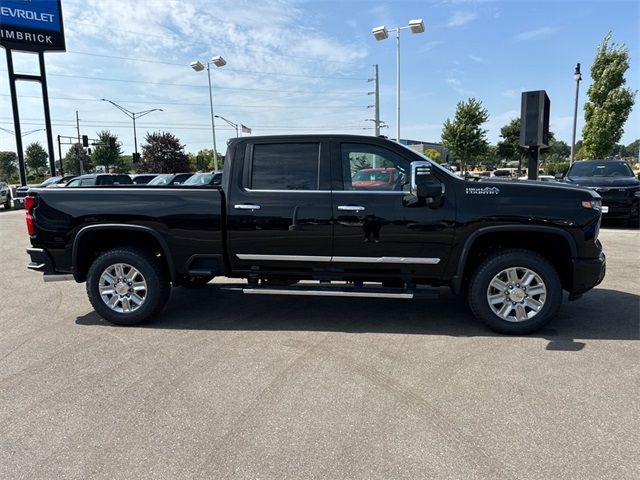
[(285, 166)]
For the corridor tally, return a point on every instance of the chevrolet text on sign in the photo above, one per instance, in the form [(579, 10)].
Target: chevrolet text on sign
[(31, 25)]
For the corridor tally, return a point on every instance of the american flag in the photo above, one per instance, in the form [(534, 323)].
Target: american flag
[(245, 129)]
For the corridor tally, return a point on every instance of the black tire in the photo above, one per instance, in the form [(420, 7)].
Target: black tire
[(496, 263), (157, 285), (196, 282), (634, 221), (7, 203)]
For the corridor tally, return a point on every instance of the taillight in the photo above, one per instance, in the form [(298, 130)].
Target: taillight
[(29, 203)]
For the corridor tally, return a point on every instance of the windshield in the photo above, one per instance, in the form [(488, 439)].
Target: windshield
[(162, 179), (51, 180), (594, 168), (199, 179), (435, 164)]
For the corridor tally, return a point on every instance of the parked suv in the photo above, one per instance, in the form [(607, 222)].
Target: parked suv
[(615, 182), (168, 179), (94, 179)]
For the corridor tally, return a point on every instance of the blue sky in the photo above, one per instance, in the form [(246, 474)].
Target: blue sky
[(302, 66)]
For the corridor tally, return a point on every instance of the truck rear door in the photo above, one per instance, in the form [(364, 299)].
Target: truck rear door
[(279, 211)]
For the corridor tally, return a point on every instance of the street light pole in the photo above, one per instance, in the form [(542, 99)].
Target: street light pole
[(218, 61), (132, 116), (213, 123), (382, 33), (577, 76), (234, 125)]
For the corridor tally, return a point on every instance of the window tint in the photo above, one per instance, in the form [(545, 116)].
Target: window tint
[(285, 166), (369, 167), (74, 183), (180, 178), (88, 182), (593, 168)]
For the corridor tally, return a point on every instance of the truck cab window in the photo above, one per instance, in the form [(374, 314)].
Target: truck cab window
[(373, 168), (285, 166)]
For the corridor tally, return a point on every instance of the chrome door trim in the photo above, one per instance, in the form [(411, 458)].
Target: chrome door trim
[(402, 260), (326, 258), (285, 258)]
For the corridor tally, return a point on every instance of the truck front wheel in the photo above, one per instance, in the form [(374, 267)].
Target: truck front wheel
[(127, 286), (515, 292)]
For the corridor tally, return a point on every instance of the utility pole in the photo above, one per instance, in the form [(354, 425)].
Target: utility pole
[(79, 144), (376, 102), (60, 157)]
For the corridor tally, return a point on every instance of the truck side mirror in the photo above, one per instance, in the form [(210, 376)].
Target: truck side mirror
[(559, 176), (423, 183)]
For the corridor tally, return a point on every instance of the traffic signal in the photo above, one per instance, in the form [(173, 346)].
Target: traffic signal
[(136, 157), (85, 141)]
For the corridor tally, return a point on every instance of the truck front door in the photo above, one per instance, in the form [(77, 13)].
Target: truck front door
[(375, 228)]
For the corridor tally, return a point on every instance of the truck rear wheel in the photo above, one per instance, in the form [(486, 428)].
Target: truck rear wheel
[(127, 286), (515, 292), (7, 203)]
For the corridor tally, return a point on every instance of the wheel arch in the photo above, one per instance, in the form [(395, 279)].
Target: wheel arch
[(531, 237), (103, 238)]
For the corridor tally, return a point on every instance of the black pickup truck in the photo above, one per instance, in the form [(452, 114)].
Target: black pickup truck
[(291, 220)]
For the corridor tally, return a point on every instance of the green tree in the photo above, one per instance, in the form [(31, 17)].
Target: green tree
[(434, 155), (609, 102), (106, 152), (163, 153), (464, 137), (509, 147), (124, 164), (631, 150), (8, 165), (72, 160), (203, 160), (36, 158)]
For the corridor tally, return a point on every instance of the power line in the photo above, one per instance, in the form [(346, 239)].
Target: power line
[(226, 69), (162, 102), (125, 80)]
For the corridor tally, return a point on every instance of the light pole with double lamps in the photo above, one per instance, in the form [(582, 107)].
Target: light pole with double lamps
[(218, 61), (382, 33)]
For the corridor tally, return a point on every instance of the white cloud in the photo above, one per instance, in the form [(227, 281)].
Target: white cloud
[(461, 18), (274, 37), (456, 85), (477, 59), (535, 34)]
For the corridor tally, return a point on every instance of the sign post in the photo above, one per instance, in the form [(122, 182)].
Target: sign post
[(31, 26)]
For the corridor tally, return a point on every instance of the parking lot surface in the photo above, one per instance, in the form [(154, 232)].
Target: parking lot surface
[(229, 386)]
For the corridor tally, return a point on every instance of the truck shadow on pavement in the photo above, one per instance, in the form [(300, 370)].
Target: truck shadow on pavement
[(600, 315)]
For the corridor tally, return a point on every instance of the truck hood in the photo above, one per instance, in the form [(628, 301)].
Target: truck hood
[(603, 181)]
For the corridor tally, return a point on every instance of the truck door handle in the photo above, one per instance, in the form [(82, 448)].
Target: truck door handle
[(246, 206), (350, 208)]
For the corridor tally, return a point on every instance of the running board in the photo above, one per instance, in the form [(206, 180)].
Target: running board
[(341, 291)]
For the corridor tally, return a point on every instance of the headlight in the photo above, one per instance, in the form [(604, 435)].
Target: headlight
[(592, 204)]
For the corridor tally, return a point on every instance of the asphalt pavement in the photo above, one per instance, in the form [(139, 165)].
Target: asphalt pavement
[(255, 387)]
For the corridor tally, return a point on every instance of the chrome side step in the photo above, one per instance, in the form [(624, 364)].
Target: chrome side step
[(326, 293), (334, 291), (57, 277)]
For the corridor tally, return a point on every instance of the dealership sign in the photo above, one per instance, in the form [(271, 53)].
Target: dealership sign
[(31, 25)]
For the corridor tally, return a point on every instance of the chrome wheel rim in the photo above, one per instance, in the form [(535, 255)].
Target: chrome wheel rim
[(516, 294), (122, 288)]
